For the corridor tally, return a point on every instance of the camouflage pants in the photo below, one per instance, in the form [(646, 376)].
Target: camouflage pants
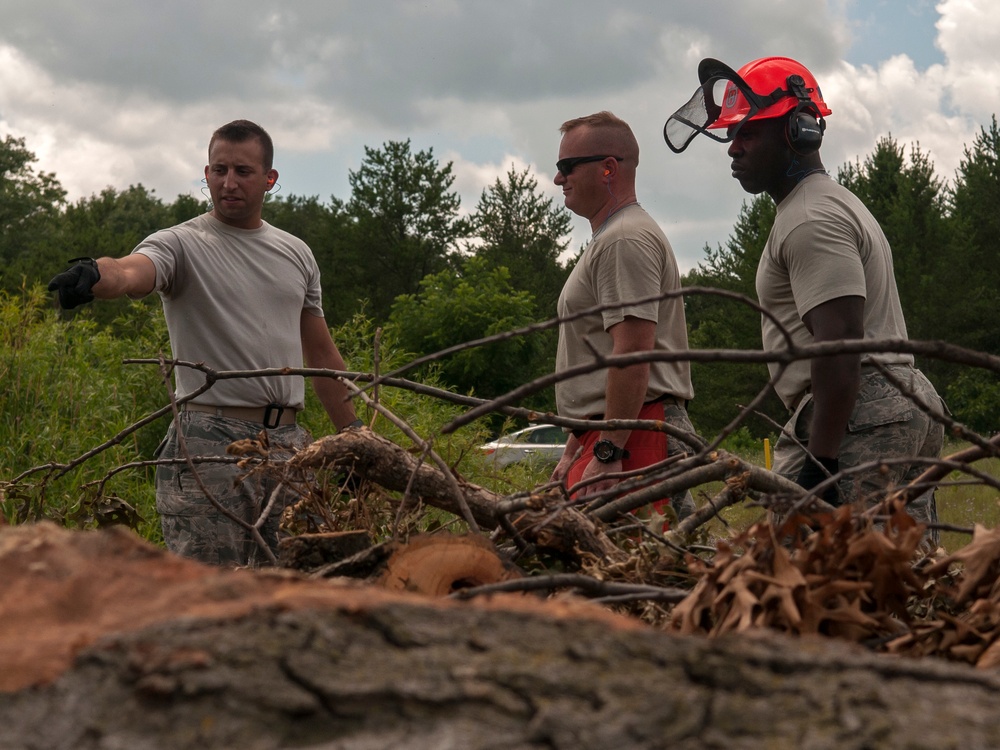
[(885, 424), (192, 526)]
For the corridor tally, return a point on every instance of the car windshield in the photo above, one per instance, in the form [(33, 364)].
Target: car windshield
[(549, 435)]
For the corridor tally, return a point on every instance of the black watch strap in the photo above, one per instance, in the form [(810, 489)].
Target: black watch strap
[(607, 452)]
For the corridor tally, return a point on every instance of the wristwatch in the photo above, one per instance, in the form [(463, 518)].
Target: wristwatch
[(607, 452)]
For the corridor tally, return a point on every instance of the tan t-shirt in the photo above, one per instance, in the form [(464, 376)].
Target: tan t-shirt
[(628, 259), (825, 244), (233, 299)]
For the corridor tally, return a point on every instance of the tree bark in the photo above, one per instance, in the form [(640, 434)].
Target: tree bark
[(260, 661), (420, 676)]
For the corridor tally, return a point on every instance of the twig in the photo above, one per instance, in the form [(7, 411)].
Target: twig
[(582, 583), (425, 445)]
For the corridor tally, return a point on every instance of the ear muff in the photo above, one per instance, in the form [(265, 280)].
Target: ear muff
[(805, 126), (805, 131)]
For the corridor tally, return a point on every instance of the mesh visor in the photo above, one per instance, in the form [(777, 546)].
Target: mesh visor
[(706, 105)]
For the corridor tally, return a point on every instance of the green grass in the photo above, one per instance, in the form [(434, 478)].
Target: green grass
[(967, 504)]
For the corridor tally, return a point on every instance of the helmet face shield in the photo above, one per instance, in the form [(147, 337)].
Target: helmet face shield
[(723, 102), (765, 88)]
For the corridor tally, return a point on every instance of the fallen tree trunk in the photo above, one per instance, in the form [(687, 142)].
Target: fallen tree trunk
[(264, 661), (222, 659)]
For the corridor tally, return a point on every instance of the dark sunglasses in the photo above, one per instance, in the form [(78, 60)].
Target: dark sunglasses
[(567, 165)]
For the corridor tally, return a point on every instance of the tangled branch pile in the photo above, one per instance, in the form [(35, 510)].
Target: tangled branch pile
[(833, 574)]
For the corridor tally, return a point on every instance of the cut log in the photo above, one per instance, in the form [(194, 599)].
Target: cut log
[(443, 564), (550, 523)]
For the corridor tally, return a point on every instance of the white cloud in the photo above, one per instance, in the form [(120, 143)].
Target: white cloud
[(116, 93)]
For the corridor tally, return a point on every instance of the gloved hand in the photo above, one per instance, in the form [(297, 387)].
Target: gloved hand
[(812, 474), (75, 284)]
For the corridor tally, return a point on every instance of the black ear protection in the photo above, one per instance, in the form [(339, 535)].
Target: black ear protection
[(805, 126)]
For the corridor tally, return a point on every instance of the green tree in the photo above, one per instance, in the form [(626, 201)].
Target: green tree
[(975, 226), (907, 199), (520, 229), (456, 307), (404, 224), (715, 322), (185, 208), (970, 279), (112, 223), (29, 202)]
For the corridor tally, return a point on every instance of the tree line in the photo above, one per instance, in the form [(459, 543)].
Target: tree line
[(399, 252)]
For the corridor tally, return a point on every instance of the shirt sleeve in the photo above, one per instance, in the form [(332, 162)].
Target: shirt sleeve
[(629, 270), (824, 263)]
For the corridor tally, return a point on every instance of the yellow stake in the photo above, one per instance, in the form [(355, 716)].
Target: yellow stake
[(767, 454)]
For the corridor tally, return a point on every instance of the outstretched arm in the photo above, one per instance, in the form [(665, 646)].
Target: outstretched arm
[(105, 278)]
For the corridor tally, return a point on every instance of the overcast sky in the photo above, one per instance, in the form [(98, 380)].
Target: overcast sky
[(120, 92)]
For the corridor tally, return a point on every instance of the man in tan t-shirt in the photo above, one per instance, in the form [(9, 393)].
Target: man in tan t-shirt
[(630, 262), (825, 274), (237, 294)]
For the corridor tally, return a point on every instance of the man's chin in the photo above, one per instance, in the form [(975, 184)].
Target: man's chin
[(747, 184)]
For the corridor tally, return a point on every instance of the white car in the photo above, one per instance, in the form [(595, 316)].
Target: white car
[(540, 443)]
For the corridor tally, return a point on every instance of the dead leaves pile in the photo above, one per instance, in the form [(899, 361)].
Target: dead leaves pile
[(852, 581), (965, 625)]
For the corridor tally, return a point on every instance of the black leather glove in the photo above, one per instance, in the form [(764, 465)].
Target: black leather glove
[(75, 284), (812, 473)]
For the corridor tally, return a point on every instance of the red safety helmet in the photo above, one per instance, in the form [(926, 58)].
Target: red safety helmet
[(765, 88), (768, 78)]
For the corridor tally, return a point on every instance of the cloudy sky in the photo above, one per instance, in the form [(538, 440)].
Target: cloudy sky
[(120, 92)]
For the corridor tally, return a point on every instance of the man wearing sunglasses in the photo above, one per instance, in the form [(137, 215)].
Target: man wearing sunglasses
[(617, 301), (825, 274)]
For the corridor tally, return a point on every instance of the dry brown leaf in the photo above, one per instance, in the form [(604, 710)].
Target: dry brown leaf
[(990, 658), (980, 558)]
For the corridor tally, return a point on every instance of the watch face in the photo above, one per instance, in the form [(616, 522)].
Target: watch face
[(604, 451)]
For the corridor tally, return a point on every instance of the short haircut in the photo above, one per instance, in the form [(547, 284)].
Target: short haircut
[(240, 131), (611, 133)]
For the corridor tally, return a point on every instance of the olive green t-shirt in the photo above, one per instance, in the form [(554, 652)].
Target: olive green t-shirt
[(629, 259), (233, 299), (825, 244)]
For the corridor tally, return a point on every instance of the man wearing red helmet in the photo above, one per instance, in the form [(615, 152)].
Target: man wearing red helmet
[(826, 274)]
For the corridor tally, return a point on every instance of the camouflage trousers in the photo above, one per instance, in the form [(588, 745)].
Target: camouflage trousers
[(193, 526), (885, 424)]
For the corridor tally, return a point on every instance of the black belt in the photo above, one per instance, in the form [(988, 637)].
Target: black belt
[(270, 416)]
